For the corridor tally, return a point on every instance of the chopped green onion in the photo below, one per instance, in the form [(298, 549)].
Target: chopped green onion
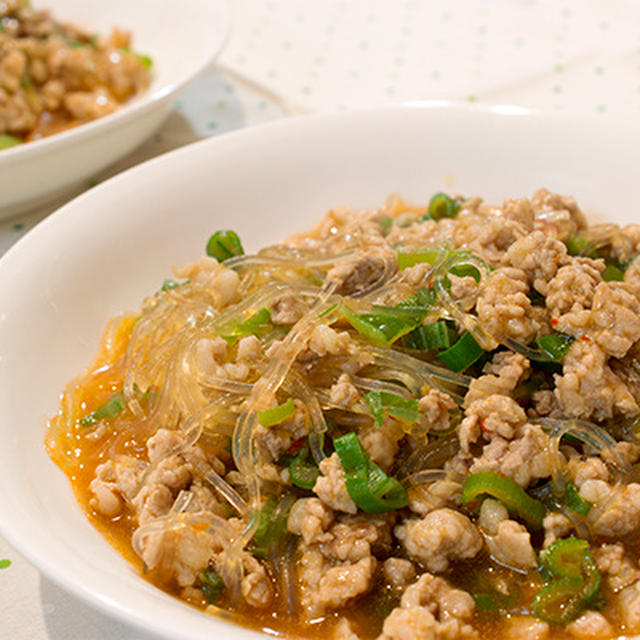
[(384, 325), (110, 409), (368, 486), (462, 354), (259, 324), (511, 494), (272, 524), (555, 346), (211, 585), (302, 470), (574, 500), (7, 141), (411, 257), (145, 60), (442, 206), (580, 246), (564, 558), (223, 245), (386, 224), (276, 415), (423, 298), (485, 602), (437, 335), (613, 273), (578, 582), (381, 402)]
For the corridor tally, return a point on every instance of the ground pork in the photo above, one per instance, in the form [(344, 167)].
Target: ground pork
[(520, 627), (287, 309), (539, 256), (571, 291), (616, 509), (330, 487), (436, 406), (589, 388), (522, 459), (435, 495), (398, 572), (359, 272), (431, 609), (616, 566), (556, 526), (491, 417), (342, 393), (590, 625), (511, 546), (439, 538), (381, 443), (504, 309), (502, 374), (545, 202), (116, 482)]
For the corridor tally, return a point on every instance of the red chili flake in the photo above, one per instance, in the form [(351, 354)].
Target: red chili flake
[(296, 446), (483, 428), (585, 338), (553, 322)]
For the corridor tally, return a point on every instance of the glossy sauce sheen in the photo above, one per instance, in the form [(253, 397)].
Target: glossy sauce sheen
[(78, 456)]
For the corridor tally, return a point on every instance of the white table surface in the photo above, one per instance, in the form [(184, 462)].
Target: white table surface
[(287, 57)]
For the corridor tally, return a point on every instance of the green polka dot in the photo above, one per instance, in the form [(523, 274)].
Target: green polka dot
[(158, 137), (272, 74), (5, 563), (558, 68), (228, 88), (472, 98), (445, 17), (482, 30), (556, 88), (262, 105), (319, 60), (212, 125), (398, 61), (566, 13), (221, 104), (599, 71), (18, 226), (601, 108), (179, 106)]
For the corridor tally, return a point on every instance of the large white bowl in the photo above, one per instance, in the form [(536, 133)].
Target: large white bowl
[(182, 38), (105, 250)]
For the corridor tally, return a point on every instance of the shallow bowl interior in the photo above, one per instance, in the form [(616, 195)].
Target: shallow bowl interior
[(104, 251)]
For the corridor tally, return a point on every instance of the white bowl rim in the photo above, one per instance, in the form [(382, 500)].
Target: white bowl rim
[(137, 105), (50, 567)]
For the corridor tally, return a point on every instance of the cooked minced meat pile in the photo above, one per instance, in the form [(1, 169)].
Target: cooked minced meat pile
[(408, 423), (54, 76)]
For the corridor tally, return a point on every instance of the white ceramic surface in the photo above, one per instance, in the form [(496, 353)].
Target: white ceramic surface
[(63, 280), (182, 38)]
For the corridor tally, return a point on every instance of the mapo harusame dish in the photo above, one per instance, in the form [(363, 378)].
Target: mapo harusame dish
[(407, 423), (54, 76)]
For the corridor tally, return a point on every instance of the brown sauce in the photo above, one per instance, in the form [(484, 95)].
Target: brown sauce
[(78, 456)]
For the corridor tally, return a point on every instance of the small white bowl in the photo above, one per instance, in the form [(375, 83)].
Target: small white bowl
[(62, 281), (182, 38)]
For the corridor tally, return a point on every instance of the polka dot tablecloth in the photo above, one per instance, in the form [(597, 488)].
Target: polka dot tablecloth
[(287, 57)]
